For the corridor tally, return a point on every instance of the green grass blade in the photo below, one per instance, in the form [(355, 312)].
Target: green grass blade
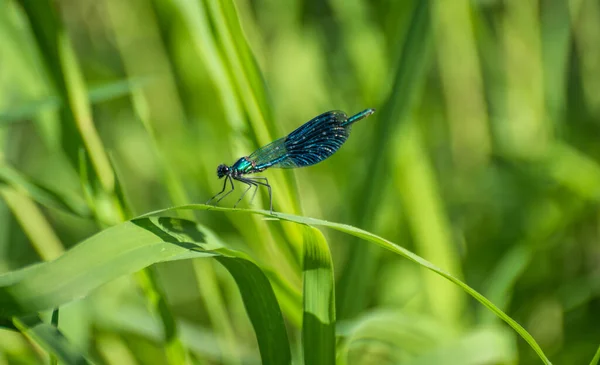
[(430, 227), (461, 83), (263, 310), (596, 359), (117, 251), (527, 130), (318, 325), (156, 299), (54, 322), (33, 223), (70, 203), (117, 89), (98, 94), (227, 41), (555, 26), (50, 339), (130, 247), (388, 245), (248, 61)]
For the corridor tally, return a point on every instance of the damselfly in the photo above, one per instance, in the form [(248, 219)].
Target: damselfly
[(311, 143)]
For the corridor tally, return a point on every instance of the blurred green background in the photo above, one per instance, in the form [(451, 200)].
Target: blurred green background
[(483, 157)]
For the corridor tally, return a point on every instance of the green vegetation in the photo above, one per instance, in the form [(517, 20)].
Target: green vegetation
[(481, 168)]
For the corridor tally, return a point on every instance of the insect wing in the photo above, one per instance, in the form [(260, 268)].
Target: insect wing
[(269, 155), (315, 141)]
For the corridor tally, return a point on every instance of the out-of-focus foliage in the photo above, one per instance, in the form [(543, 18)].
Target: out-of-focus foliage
[(483, 158)]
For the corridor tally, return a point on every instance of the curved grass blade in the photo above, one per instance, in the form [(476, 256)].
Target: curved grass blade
[(318, 324), (263, 310), (368, 236), (50, 339), (128, 248), (117, 251)]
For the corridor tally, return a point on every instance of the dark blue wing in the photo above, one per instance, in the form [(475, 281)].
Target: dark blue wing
[(315, 140), (311, 143)]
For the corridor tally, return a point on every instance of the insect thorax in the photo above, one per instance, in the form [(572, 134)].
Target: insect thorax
[(243, 166)]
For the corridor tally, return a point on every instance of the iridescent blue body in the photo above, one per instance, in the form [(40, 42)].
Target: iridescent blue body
[(311, 143)]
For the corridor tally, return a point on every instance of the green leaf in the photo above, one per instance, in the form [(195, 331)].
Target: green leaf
[(318, 325), (117, 251), (130, 247), (263, 310), (50, 339), (357, 232)]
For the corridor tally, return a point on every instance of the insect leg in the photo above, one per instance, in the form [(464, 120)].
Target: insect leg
[(268, 187), (259, 178), (229, 192), (270, 196), (254, 194), (250, 185), (256, 186), (219, 193)]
